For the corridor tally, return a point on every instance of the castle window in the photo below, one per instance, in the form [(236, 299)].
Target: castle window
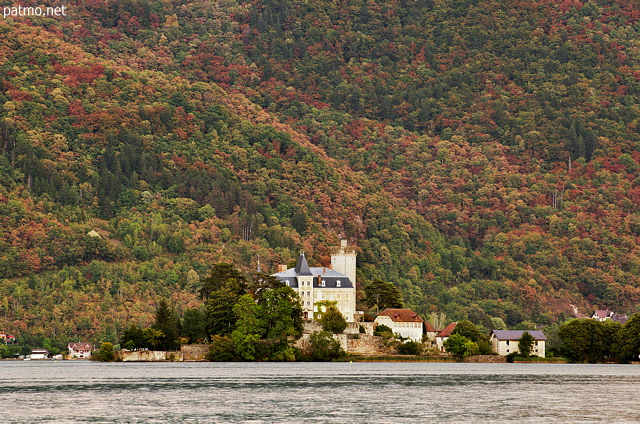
[(330, 296), (323, 283), (338, 296), (324, 296), (346, 296), (338, 283)]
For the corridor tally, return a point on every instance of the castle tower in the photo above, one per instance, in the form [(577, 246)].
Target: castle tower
[(343, 260)]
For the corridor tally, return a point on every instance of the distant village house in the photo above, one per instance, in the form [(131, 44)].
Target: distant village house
[(504, 342), (80, 350), (404, 322), (39, 354), (7, 338), (604, 315), (443, 335)]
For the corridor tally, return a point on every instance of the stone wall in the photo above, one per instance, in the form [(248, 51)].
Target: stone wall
[(148, 356), (486, 359), (365, 345), (194, 352), (352, 327)]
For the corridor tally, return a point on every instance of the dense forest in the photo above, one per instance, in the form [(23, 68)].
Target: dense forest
[(482, 155)]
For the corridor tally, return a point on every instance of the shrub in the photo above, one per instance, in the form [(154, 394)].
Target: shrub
[(381, 329), (221, 349), (410, 348), (332, 320), (324, 347), (105, 354)]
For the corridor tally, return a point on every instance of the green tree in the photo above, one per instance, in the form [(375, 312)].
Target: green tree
[(221, 291), (266, 329), (193, 325), (106, 353), (382, 295), (525, 344), (630, 339), (612, 335), (382, 329), (152, 337), (223, 276), (281, 309), (498, 324), (410, 347), (249, 329), (332, 320), (221, 349), (219, 316), (582, 340), (168, 323), (459, 346), (132, 338), (469, 330), (324, 347), (263, 283)]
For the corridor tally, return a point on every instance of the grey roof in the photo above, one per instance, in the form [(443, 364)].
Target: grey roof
[(302, 267), (516, 334), (320, 275)]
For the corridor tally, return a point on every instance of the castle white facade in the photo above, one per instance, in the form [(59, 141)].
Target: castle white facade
[(316, 284)]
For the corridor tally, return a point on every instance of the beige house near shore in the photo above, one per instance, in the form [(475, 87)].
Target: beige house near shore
[(504, 342)]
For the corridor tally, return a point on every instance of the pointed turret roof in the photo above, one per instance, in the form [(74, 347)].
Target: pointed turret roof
[(302, 267)]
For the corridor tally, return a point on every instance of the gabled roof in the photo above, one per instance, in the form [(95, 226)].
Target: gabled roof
[(302, 267), (605, 313), (323, 277), (447, 330), (428, 327), (517, 334), (401, 315), (79, 346)]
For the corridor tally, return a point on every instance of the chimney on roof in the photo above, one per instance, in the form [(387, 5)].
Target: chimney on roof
[(324, 270), (282, 268)]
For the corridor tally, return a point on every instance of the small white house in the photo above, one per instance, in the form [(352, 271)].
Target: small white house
[(39, 354), (402, 321), (443, 335), (504, 342)]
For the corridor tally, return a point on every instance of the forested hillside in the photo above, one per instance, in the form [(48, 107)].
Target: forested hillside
[(482, 155)]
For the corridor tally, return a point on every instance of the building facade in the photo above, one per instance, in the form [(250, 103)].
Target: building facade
[(504, 342), (404, 322), (80, 350), (317, 284)]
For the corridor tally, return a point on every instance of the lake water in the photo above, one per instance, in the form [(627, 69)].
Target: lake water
[(81, 392)]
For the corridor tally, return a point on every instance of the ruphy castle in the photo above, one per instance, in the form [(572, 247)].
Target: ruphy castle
[(315, 284)]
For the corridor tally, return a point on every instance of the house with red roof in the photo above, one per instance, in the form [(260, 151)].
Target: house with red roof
[(7, 338), (443, 335), (604, 315), (80, 350), (404, 322)]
